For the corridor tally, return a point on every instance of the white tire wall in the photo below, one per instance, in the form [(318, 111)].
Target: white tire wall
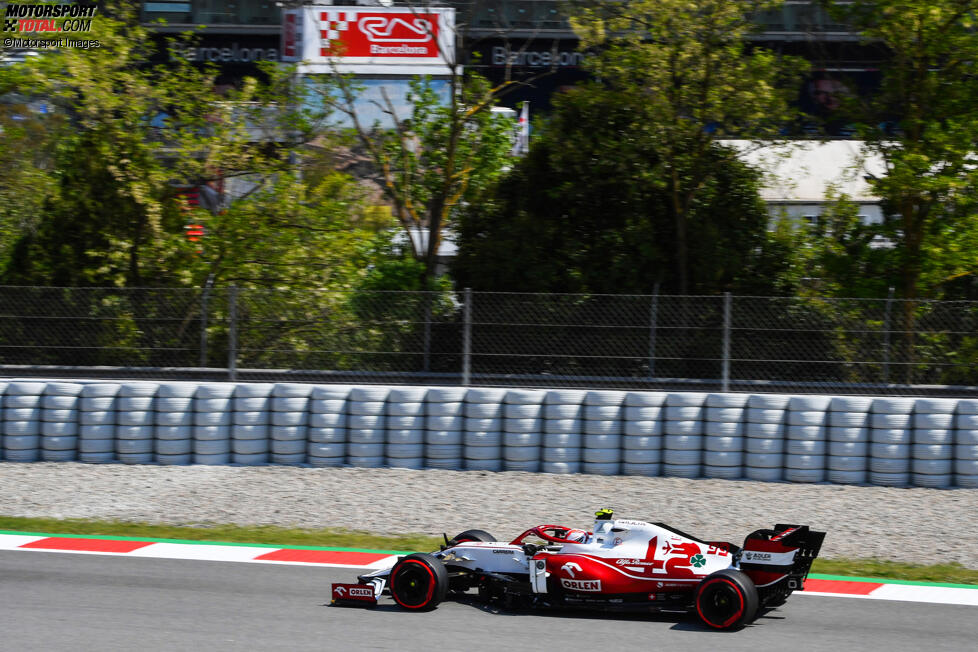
[(723, 442), (891, 441), (563, 440), (366, 413), (932, 451), (682, 450), (522, 425), (603, 414)]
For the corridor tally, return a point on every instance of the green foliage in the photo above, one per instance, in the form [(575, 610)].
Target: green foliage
[(583, 212), (845, 257), (88, 199), (684, 69), (923, 123), (430, 164), (125, 133)]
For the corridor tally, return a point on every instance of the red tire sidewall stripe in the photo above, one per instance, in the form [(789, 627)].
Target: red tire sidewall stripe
[(431, 585), (730, 620)]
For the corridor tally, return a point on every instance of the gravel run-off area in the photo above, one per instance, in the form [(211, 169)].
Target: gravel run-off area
[(916, 525)]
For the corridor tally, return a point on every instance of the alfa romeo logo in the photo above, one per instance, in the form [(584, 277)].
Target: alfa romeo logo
[(698, 561)]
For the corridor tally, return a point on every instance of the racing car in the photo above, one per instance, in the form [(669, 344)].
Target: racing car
[(621, 564)]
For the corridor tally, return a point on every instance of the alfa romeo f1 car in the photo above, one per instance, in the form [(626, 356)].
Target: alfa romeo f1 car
[(620, 564)]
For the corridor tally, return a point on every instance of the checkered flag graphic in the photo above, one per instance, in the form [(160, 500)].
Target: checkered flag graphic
[(332, 24), (10, 24)]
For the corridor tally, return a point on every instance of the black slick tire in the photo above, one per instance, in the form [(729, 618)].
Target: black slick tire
[(726, 599), (471, 535), (418, 582)]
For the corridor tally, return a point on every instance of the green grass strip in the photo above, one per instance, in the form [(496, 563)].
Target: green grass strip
[(195, 542), (880, 580), (270, 536), (859, 570), (891, 571)]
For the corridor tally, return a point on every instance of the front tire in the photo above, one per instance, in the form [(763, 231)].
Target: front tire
[(418, 582), (726, 599), (471, 535)]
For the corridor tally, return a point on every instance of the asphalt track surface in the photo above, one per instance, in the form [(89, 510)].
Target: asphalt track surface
[(60, 601)]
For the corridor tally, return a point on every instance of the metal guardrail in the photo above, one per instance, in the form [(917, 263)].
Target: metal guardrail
[(719, 343)]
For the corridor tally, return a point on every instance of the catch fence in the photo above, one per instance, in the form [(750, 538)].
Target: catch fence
[(726, 342)]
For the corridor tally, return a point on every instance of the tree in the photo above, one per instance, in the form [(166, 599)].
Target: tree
[(923, 124), (125, 134), (433, 162), (582, 213), (685, 69), (842, 256), (100, 207), (27, 178)]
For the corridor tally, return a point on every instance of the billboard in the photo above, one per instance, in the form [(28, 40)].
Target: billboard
[(369, 40)]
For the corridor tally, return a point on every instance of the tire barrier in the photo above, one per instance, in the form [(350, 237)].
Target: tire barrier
[(59, 422), (602, 432), (764, 429), (887, 441), (642, 433), (682, 453), (443, 424), (890, 437), (723, 430), (522, 429), (966, 444), (326, 436), (563, 442), (848, 437), (174, 422), (806, 434)]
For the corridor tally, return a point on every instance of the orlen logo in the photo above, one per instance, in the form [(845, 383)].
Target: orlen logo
[(757, 556), (591, 586), (355, 591)]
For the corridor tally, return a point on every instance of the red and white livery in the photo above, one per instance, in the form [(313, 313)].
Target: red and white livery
[(619, 564)]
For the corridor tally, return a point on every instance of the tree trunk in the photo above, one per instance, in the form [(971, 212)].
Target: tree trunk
[(910, 279), (682, 255)]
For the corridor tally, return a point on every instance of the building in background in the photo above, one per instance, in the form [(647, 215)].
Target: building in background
[(231, 35), (520, 40), (530, 42), (799, 178)]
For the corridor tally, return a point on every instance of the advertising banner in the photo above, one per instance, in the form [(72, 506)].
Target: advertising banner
[(370, 40)]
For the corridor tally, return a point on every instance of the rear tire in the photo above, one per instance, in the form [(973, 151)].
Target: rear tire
[(471, 535), (418, 582), (726, 600)]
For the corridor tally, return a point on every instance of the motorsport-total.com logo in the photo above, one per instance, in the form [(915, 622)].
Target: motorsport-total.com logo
[(48, 20)]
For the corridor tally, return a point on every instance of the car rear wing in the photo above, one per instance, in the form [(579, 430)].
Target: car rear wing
[(808, 542), (786, 549)]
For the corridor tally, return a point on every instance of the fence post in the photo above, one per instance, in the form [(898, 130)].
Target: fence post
[(426, 356), (886, 335), (467, 338), (653, 320), (233, 333), (208, 284), (727, 301)]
